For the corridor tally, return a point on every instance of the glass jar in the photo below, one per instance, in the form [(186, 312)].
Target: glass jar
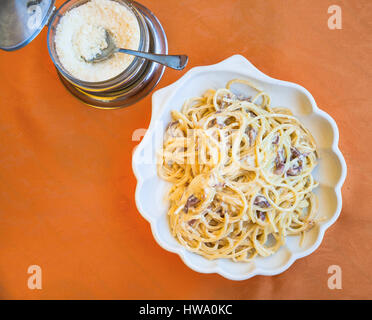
[(128, 87)]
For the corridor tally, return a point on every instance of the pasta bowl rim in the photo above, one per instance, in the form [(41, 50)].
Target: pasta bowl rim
[(239, 64)]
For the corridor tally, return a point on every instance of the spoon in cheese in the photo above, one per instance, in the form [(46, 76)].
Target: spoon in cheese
[(177, 62)]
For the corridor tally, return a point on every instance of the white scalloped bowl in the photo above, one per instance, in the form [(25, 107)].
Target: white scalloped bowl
[(151, 190)]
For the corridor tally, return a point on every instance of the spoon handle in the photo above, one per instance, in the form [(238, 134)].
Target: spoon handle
[(177, 62)]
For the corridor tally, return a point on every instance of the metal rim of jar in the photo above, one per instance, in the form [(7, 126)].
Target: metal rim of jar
[(125, 78)]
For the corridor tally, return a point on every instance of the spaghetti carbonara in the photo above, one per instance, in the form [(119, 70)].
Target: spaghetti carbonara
[(240, 173)]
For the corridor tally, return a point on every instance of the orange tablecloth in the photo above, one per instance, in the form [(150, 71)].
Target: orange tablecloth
[(67, 187)]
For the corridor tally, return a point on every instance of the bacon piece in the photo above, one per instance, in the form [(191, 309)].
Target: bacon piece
[(212, 123), (279, 162), (252, 114), (191, 222), (220, 212), (295, 169), (262, 202), (170, 130), (222, 100), (171, 124), (261, 215), (276, 139), (191, 202), (279, 169), (252, 134), (295, 153)]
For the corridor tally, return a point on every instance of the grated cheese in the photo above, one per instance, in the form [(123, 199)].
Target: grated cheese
[(89, 41)]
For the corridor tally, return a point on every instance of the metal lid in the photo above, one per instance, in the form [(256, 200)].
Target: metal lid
[(22, 20)]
